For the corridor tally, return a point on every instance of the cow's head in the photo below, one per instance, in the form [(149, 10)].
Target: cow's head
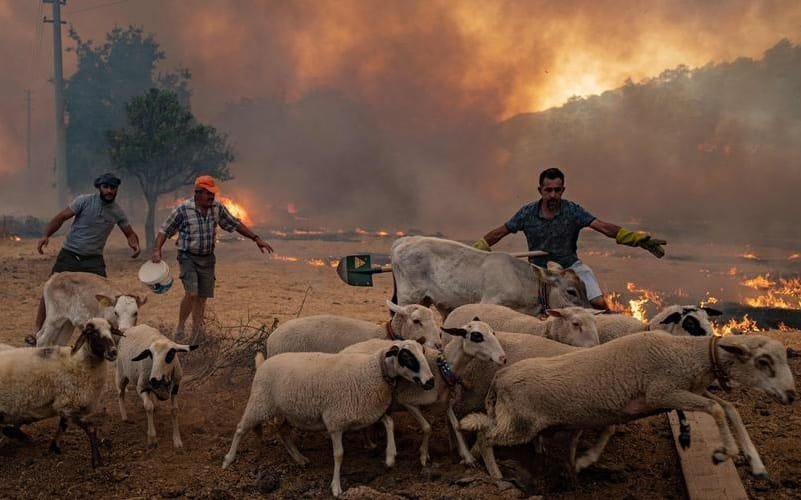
[(122, 311), (563, 286)]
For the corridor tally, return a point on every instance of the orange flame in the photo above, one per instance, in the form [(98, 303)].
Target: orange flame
[(750, 256), (794, 256), (781, 293), (734, 327), (236, 209)]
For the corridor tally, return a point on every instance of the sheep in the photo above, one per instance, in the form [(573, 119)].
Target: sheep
[(331, 392), (331, 334), (629, 378), (150, 359), (5, 347), (72, 298), (569, 325), (676, 319), (476, 340), (44, 382)]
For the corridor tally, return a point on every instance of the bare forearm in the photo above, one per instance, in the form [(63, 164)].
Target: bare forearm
[(246, 232), (606, 228), (53, 226), (496, 235)]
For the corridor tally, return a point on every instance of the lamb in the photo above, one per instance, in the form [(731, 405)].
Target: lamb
[(150, 359), (676, 319), (331, 334), (40, 383), (331, 392), (628, 379), (569, 325), (475, 340), (72, 298)]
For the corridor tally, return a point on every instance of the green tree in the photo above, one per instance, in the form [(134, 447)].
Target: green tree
[(108, 76), (165, 148)]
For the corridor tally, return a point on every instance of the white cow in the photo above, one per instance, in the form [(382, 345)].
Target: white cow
[(71, 299), (448, 274)]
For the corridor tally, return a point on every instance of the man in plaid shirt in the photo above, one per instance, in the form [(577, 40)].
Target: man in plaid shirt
[(196, 220)]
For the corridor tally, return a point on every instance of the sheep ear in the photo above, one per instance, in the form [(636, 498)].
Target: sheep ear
[(672, 318), (421, 340), (476, 318), (142, 355), (711, 311), (395, 308), (456, 332), (117, 332), (79, 342), (741, 351), (556, 313), (186, 347), (140, 301), (393, 351), (105, 301)]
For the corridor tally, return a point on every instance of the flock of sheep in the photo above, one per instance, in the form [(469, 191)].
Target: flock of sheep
[(499, 377)]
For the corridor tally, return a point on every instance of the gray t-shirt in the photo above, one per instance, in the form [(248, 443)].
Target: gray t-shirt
[(557, 236), (92, 224)]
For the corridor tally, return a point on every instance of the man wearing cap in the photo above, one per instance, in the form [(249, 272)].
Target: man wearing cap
[(95, 216), (196, 220), (553, 224)]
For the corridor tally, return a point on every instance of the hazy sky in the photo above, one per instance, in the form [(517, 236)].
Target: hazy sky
[(416, 67)]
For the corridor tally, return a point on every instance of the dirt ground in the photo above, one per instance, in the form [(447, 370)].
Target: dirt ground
[(640, 461)]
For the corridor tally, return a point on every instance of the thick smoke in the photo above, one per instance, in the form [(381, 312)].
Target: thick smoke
[(408, 114)]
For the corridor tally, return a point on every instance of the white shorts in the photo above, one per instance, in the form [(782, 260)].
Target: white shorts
[(585, 273)]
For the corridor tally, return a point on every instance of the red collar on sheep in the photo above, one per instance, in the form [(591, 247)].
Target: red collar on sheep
[(717, 370), (391, 334)]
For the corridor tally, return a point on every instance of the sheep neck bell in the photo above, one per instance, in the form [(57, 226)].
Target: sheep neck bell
[(451, 378), (717, 370)]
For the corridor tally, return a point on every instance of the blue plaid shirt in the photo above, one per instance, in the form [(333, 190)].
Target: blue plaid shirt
[(197, 232)]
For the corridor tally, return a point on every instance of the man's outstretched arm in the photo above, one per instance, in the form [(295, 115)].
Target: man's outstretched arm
[(491, 238), (54, 226), (630, 238)]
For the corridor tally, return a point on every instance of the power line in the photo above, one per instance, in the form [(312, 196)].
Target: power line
[(92, 7)]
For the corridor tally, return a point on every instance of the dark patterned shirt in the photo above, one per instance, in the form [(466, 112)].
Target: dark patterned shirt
[(197, 232), (557, 236)]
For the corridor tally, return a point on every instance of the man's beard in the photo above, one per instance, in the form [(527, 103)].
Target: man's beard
[(106, 200), (554, 205)]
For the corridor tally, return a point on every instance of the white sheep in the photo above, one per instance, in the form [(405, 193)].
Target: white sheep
[(44, 382), (569, 325), (676, 319), (473, 340), (331, 392), (5, 347), (331, 334), (630, 378), (150, 359), (72, 298)]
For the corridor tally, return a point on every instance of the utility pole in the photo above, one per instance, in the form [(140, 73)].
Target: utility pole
[(28, 172), (58, 83)]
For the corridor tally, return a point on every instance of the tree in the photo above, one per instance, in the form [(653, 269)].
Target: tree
[(165, 148), (108, 76)]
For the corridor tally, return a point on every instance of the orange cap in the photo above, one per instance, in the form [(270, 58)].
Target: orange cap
[(208, 183)]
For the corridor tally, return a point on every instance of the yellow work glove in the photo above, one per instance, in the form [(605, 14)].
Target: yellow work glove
[(641, 239), (482, 245)]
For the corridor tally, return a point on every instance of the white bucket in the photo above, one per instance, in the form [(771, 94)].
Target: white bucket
[(156, 276)]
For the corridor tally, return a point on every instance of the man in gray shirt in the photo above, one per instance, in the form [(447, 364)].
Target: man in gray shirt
[(95, 216)]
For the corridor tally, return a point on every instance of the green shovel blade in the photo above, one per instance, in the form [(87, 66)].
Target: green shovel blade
[(357, 270)]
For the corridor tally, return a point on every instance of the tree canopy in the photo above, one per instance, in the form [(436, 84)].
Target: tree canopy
[(165, 148), (108, 76)]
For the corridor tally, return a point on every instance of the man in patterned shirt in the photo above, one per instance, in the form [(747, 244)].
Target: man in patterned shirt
[(196, 220), (553, 224)]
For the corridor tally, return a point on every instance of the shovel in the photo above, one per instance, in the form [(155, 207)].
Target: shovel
[(358, 270)]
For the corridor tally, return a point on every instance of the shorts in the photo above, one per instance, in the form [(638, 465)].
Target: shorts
[(590, 283), (197, 273), (68, 261)]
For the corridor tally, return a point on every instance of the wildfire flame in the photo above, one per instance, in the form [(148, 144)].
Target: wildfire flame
[(236, 209), (734, 327), (14, 238), (781, 293), (749, 256), (794, 256)]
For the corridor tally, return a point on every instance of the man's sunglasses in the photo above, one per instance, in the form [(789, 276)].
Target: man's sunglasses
[(554, 189)]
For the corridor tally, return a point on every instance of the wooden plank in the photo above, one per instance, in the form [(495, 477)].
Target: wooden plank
[(704, 479)]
